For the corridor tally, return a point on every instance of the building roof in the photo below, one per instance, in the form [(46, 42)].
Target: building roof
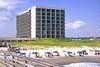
[(45, 7), (48, 7), (24, 12)]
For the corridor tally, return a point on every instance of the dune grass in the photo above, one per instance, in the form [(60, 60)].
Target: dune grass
[(58, 42)]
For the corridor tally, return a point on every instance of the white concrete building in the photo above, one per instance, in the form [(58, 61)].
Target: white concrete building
[(41, 22)]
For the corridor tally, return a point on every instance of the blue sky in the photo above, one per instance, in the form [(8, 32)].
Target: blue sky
[(82, 16)]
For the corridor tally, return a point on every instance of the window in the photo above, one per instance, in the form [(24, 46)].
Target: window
[(38, 28), (62, 11), (53, 14), (58, 18), (43, 17), (62, 32), (38, 17), (38, 24), (38, 21), (38, 36), (43, 13), (43, 36), (38, 13), (62, 28), (48, 28), (43, 32), (53, 36), (48, 14), (53, 28), (53, 21), (62, 21), (48, 17), (58, 25), (38, 9), (57, 14), (48, 36), (58, 32), (58, 22), (48, 21), (62, 15), (48, 32), (38, 32), (58, 11), (43, 10), (43, 25), (53, 25), (53, 10), (43, 28), (62, 18), (43, 21), (58, 28), (48, 10), (57, 36), (62, 25), (53, 18), (53, 32), (48, 25)]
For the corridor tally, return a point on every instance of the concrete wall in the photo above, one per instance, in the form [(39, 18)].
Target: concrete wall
[(23, 24), (33, 22)]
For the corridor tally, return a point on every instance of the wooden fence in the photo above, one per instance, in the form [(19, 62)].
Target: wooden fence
[(11, 59)]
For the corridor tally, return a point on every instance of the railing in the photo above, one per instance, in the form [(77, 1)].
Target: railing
[(10, 59)]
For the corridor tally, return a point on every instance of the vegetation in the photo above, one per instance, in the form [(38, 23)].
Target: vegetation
[(57, 42)]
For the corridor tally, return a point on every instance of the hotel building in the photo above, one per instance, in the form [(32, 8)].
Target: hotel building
[(41, 22)]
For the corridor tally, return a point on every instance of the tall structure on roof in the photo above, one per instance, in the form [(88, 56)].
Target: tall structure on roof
[(41, 22)]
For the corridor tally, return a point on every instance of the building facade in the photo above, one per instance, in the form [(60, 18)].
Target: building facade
[(40, 22)]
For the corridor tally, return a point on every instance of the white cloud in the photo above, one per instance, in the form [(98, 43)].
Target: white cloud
[(2, 18), (8, 4), (75, 25), (98, 27), (7, 16), (7, 7)]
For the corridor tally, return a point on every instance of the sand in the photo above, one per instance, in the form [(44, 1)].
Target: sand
[(68, 60)]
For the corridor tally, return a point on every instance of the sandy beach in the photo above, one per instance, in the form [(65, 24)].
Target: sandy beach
[(68, 60)]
